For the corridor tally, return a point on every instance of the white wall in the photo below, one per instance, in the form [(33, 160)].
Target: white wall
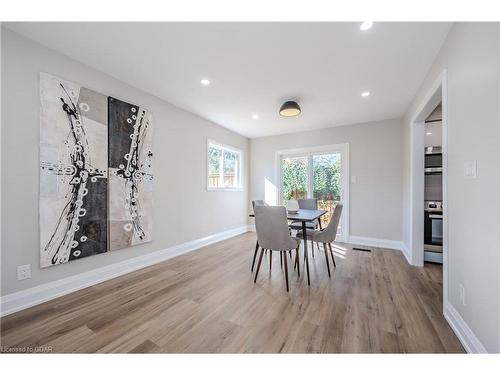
[(375, 160), (183, 209), (470, 55)]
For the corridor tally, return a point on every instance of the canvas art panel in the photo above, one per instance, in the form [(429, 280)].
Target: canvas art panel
[(88, 204), (130, 174)]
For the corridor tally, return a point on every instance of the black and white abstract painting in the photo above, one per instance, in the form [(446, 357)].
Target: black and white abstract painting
[(130, 174), (95, 185)]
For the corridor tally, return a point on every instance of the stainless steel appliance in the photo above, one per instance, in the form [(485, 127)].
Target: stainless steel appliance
[(433, 231), (433, 170), (433, 174), (430, 150), (433, 160), (433, 195)]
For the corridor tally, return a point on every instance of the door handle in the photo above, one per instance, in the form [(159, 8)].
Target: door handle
[(435, 216)]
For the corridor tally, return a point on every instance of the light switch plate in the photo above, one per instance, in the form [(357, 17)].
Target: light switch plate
[(353, 179), (24, 272), (470, 169), (461, 292)]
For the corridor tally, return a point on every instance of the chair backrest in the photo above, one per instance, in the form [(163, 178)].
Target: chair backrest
[(271, 225), (308, 204), (258, 202), (331, 230)]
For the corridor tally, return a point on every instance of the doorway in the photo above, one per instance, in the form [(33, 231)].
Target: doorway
[(317, 172), (436, 95)]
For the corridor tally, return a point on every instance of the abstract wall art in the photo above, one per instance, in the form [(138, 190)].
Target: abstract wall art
[(130, 174), (96, 176)]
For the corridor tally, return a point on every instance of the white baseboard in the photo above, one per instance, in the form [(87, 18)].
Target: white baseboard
[(468, 339), (368, 241), (406, 252), (33, 296), (376, 242)]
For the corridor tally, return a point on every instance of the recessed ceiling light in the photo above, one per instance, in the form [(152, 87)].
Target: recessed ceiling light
[(365, 94), (367, 25), (428, 133), (255, 116), (205, 82)]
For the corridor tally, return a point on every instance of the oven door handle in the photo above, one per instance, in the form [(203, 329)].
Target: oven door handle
[(436, 217)]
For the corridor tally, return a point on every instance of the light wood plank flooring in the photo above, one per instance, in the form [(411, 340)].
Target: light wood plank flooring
[(206, 301)]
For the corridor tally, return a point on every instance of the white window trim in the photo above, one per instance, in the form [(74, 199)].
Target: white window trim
[(240, 172), (343, 149)]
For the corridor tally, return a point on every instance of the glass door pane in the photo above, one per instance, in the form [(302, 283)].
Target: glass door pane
[(327, 184), (294, 178)]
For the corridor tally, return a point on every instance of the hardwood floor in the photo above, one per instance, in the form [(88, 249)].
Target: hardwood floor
[(206, 301)]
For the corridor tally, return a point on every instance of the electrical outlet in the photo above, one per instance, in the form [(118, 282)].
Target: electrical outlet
[(461, 292), (24, 272)]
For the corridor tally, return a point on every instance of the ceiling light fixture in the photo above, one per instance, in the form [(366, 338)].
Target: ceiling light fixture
[(205, 82), (290, 108), (255, 116), (428, 133), (367, 25), (365, 94)]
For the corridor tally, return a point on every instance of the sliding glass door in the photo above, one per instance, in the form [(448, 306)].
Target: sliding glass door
[(327, 183), (295, 178), (320, 173)]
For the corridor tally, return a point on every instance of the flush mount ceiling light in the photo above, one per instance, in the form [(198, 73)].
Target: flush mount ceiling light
[(365, 94), (428, 133), (367, 25), (290, 108), (255, 116), (205, 82)]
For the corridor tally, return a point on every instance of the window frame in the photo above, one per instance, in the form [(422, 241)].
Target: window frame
[(211, 142)]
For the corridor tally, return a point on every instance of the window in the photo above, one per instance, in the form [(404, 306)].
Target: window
[(224, 167)]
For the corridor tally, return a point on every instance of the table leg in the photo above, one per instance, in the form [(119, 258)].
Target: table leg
[(304, 235)]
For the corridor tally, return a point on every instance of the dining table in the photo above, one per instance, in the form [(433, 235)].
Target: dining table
[(304, 216)]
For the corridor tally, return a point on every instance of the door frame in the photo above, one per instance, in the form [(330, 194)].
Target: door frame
[(343, 150), (437, 93)]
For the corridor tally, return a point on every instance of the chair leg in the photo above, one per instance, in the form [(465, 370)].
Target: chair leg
[(258, 265), (270, 259), (255, 254), (312, 247), (297, 264), (331, 253), (286, 272), (327, 262), (281, 259)]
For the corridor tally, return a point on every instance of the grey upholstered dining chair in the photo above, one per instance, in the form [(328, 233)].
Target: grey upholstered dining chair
[(306, 204), (272, 234), (257, 202), (327, 235)]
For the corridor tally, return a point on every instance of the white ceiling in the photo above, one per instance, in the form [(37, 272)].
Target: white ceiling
[(254, 67)]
